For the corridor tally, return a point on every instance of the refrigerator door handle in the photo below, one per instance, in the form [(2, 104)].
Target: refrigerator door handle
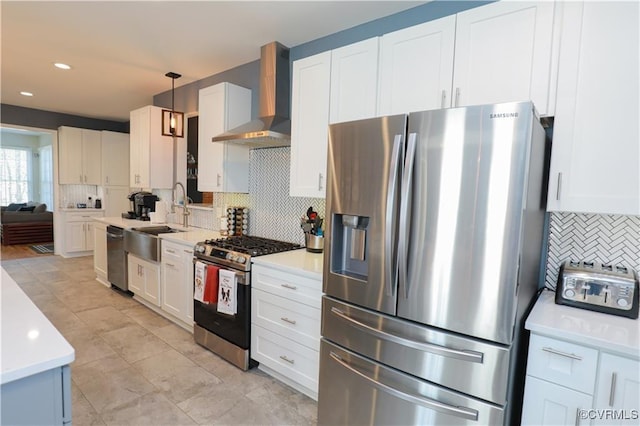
[(462, 412), (390, 228), (467, 356), (405, 210)]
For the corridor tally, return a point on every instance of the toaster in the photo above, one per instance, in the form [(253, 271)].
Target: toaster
[(611, 289)]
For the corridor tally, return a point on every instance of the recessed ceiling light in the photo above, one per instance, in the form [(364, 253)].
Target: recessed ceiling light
[(62, 66), (26, 93)]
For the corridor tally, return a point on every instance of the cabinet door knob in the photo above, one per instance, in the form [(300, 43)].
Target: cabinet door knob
[(457, 96), (319, 181), (444, 98)]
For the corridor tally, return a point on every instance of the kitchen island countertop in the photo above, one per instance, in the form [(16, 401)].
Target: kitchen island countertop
[(30, 343), (296, 261), (616, 334)]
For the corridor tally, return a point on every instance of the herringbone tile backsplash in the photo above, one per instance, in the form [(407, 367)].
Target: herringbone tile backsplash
[(275, 214), (601, 238)]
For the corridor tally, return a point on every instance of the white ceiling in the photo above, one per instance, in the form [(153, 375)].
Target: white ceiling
[(120, 51)]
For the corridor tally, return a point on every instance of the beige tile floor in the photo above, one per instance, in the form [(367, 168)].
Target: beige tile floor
[(134, 367)]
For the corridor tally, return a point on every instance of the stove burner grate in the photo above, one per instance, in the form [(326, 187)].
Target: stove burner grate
[(254, 246)]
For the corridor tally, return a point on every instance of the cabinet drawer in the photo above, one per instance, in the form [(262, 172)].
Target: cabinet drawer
[(563, 363), (300, 289), (287, 318), (294, 361), (82, 216)]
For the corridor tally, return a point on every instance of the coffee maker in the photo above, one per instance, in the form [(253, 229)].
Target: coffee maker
[(142, 203)]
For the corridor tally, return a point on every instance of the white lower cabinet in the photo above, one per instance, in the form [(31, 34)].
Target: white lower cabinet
[(285, 326), (618, 389), (100, 252), (78, 236), (569, 383), (144, 279), (177, 281), (552, 404)]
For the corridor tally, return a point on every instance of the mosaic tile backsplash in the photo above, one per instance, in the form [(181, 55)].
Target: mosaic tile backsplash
[(274, 214), (601, 238)]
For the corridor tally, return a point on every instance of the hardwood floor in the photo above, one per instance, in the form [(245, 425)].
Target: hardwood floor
[(20, 251)]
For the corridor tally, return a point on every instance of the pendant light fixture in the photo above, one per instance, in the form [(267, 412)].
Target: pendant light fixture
[(172, 120)]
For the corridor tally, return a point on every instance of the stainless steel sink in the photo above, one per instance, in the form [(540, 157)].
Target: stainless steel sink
[(155, 230), (144, 242)]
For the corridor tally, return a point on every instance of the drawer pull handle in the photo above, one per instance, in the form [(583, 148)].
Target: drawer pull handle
[(612, 391), (170, 251), (290, 321), (555, 352), (171, 265), (284, 358), (292, 287), (189, 251)]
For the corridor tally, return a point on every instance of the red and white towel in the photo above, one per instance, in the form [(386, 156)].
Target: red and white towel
[(205, 288)]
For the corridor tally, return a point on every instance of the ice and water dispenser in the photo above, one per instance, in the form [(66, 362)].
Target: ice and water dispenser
[(349, 246)]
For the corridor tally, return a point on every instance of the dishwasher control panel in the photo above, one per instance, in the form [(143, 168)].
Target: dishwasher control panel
[(598, 287)]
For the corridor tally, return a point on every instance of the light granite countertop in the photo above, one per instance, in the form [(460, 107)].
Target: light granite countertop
[(610, 332), (30, 343), (189, 237), (299, 262)]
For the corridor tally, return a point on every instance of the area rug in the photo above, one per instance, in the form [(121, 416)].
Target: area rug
[(43, 248)]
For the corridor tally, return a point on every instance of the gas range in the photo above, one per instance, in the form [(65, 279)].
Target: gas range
[(236, 252)]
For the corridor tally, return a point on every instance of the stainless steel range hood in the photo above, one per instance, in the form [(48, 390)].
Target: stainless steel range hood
[(273, 127)]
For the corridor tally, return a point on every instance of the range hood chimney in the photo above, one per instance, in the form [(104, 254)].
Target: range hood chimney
[(273, 127)]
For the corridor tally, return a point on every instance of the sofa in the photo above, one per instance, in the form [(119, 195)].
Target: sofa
[(26, 223)]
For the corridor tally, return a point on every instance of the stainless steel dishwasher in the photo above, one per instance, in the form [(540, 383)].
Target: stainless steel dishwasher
[(116, 258)]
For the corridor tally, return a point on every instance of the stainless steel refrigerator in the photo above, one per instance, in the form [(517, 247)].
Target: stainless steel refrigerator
[(434, 235)]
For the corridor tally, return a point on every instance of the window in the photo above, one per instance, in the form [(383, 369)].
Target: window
[(15, 172), (46, 176)]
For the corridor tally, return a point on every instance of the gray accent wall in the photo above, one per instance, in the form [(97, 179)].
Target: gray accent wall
[(30, 117), (414, 16), (247, 75), (186, 97)]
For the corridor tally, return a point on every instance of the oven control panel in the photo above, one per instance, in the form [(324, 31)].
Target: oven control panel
[(600, 288)]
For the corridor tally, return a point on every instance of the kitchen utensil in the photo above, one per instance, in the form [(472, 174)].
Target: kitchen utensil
[(98, 204)]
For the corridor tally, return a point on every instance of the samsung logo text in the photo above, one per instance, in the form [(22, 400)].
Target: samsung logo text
[(504, 115)]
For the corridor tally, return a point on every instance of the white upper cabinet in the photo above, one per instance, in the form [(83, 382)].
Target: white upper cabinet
[(416, 67), (309, 125), (115, 158), (595, 159), (354, 81), (503, 53), (151, 154), (79, 156), (223, 166)]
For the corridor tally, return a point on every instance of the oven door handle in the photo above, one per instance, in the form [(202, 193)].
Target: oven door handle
[(243, 277)]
